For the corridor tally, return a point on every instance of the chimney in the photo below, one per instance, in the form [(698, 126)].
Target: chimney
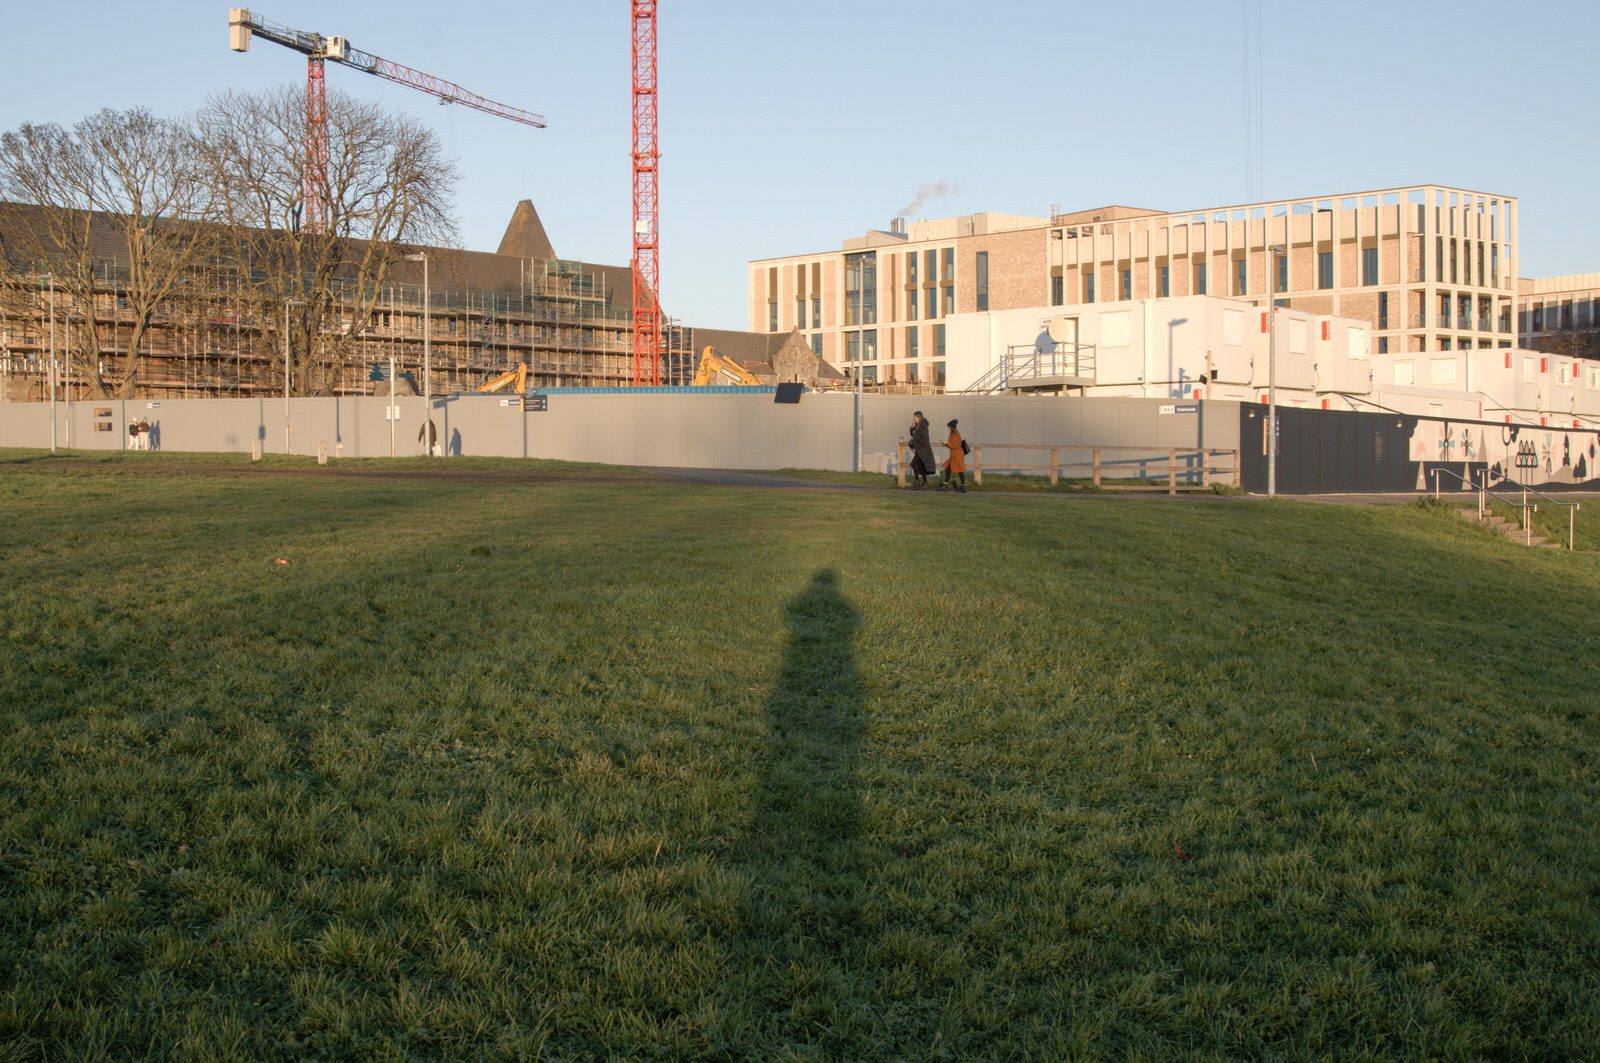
[(898, 225)]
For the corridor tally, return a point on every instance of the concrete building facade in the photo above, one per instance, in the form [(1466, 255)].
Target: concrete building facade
[(1426, 267), (1560, 315)]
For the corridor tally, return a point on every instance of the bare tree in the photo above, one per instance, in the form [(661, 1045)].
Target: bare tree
[(108, 207), (388, 189)]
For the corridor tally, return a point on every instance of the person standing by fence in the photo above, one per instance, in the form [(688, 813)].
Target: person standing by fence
[(922, 463), (957, 461)]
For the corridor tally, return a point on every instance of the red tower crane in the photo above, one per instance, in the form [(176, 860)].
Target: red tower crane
[(242, 25), (646, 201)]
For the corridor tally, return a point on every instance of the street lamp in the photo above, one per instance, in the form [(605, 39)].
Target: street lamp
[(51, 278), (287, 303), (1275, 250), (427, 338)]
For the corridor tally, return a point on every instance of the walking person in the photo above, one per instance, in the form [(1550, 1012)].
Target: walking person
[(957, 461), (428, 436), (922, 463)]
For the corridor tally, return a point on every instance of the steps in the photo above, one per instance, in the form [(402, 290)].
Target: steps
[(1510, 529)]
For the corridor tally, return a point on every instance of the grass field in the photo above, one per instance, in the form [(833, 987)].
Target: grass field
[(534, 760)]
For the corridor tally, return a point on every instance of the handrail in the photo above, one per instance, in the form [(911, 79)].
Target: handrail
[(1484, 494)]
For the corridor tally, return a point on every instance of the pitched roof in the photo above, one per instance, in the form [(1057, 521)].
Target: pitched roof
[(525, 235)]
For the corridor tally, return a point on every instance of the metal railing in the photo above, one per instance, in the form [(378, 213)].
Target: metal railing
[(1024, 365), (1527, 508)]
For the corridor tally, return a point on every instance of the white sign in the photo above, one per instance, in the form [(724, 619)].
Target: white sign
[(1167, 409), (392, 414)]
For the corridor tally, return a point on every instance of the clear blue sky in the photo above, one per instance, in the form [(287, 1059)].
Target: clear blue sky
[(788, 127)]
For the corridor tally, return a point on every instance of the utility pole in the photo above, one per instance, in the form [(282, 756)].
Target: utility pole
[(1275, 251), (287, 303), (427, 339), (51, 277)]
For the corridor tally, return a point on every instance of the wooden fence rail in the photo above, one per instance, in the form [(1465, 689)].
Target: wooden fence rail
[(1184, 461)]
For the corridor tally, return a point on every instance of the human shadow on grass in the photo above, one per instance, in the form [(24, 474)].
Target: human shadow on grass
[(798, 951)]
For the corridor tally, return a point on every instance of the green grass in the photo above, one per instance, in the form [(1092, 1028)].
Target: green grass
[(651, 768)]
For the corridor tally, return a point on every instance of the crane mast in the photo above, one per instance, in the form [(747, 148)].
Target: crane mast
[(646, 201)]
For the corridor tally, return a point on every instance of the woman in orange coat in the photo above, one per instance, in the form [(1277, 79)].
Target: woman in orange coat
[(956, 462)]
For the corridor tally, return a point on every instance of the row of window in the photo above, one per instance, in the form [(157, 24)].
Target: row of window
[(862, 345), (1556, 317)]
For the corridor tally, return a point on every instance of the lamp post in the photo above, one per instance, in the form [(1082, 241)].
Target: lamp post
[(427, 339), (287, 303), (861, 351), (1272, 369), (51, 279)]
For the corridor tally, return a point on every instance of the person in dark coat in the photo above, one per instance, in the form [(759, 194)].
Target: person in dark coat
[(922, 463)]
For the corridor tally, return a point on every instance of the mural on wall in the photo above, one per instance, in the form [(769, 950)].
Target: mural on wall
[(1535, 455)]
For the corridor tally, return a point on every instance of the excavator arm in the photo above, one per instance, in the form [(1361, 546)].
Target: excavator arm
[(716, 369)]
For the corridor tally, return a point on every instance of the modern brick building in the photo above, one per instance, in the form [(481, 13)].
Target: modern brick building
[(1430, 267), (1560, 315)]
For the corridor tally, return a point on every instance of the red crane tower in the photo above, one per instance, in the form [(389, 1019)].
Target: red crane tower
[(646, 201), (317, 49)]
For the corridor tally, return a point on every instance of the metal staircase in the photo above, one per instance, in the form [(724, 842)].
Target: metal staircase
[(1025, 368)]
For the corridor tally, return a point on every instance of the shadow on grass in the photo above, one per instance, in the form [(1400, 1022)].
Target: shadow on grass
[(802, 854)]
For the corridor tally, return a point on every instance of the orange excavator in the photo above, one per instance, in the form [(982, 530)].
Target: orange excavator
[(517, 377)]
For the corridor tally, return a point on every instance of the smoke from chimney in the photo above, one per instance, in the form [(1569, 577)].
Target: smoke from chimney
[(937, 190)]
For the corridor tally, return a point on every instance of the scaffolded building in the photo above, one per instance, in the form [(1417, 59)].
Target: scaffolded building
[(570, 322)]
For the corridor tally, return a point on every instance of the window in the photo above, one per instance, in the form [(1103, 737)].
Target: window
[(869, 374), (800, 313), (911, 347), (911, 304), (1166, 281), (1383, 309), (1199, 278), (949, 265), (1283, 272), (911, 373), (938, 348), (1324, 269), (1369, 265), (931, 301), (911, 268), (1058, 290), (816, 311), (1233, 328), (1116, 330), (1088, 287), (1563, 374), (1241, 277), (938, 373), (1405, 373), (1591, 377), (1127, 284), (930, 261), (982, 280), (869, 345), (852, 346), (816, 344), (949, 300), (1383, 344), (1442, 371)]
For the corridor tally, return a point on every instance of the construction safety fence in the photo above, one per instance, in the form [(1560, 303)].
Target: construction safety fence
[(687, 428)]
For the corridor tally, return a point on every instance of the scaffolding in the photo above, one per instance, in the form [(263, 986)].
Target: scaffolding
[(220, 335)]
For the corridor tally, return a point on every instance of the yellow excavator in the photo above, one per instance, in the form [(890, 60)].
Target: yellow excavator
[(716, 369), (517, 376)]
